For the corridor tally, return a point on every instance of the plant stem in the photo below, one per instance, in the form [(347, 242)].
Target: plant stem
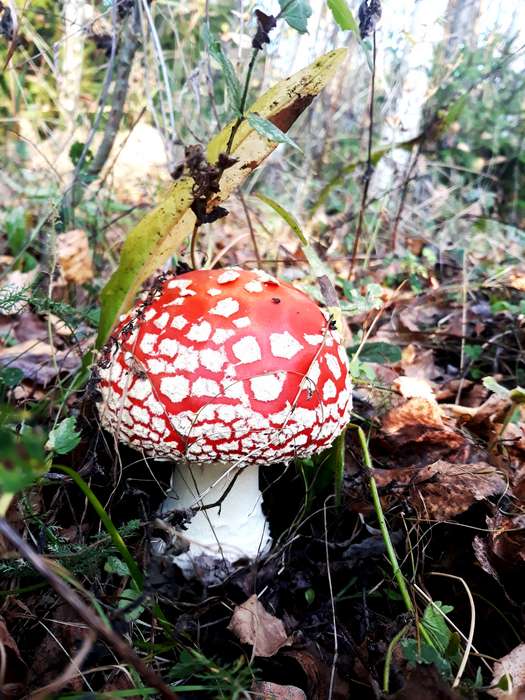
[(388, 658), (400, 579), (391, 553), (242, 106), (229, 146)]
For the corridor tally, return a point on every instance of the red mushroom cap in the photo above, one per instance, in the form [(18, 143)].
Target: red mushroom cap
[(225, 365)]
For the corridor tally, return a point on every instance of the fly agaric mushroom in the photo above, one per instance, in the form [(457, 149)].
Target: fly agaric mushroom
[(224, 371)]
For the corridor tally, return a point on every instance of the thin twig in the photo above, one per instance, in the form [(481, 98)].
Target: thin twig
[(409, 176), (250, 226), (88, 615), (369, 167)]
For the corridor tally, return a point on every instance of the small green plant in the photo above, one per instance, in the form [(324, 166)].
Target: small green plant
[(230, 682)]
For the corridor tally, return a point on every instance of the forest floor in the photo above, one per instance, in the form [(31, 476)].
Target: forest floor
[(435, 394)]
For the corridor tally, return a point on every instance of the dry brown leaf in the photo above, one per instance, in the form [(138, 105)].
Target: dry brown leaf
[(263, 690), (74, 256), (414, 388), (452, 488), (252, 624), (419, 317), (508, 538), (416, 362), (513, 665), (318, 674), (491, 410), (38, 361), (443, 490), (415, 412), (517, 280)]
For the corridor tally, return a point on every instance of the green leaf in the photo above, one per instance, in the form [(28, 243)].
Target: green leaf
[(425, 654), (285, 215), (473, 352), (492, 385), (436, 626), (343, 15), (126, 599), (361, 370), (318, 267), (15, 224), (309, 595), (75, 153), (379, 352), (162, 231), (504, 683), (296, 13), (64, 437), (11, 376), (230, 77), (114, 565), (266, 128), (22, 459)]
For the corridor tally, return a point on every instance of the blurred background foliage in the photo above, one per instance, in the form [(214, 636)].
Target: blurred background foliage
[(458, 181)]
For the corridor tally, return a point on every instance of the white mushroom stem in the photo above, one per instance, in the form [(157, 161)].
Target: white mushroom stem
[(232, 530)]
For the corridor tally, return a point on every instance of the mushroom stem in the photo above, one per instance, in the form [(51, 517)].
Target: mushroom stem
[(232, 528)]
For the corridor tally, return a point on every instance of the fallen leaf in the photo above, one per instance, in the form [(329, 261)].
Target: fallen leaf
[(263, 690), (418, 317), (492, 410), (442, 490), (74, 256), (501, 553), (516, 280), (318, 674), (38, 361), (252, 624), (507, 538), (415, 388), (416, 362), (452, 488), (513, 665), (416, 412)]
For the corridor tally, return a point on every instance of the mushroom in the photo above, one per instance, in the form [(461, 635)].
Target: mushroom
[(224, 371)]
